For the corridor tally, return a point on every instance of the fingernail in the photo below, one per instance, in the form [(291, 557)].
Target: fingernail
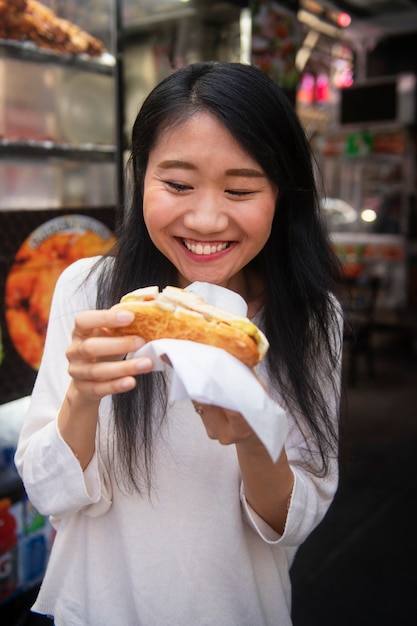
[(144, 364), (138, 343), (127, 383), (124, 316)]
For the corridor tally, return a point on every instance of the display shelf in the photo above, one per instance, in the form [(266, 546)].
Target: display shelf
[(28, 51), (372, 173), (42, 149), (59, 157)]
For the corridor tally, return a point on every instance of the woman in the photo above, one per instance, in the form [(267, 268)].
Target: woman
[(158, 524)]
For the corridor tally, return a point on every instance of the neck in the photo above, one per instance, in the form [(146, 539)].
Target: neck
[(253, 292)]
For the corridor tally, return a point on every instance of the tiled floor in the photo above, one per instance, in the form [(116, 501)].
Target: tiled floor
[(358, 567)]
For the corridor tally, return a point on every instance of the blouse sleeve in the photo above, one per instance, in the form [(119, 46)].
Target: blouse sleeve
[(312, 495), (52, 476)]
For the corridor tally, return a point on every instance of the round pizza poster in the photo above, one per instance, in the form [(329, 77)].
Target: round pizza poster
[(37, 265)]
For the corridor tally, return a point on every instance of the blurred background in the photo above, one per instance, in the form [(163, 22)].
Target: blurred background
[(69, 93)]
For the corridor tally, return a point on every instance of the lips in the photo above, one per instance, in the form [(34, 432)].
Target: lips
[(205, 248)]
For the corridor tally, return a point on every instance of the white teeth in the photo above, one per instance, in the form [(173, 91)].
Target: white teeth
[(199, 248)]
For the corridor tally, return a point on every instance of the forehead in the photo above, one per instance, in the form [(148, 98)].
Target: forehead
[(189, 120), (198, 133)]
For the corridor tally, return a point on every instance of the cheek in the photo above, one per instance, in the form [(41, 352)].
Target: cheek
[(153, 211), (159, 207), (152, 203), (259, 225), (158, 220)]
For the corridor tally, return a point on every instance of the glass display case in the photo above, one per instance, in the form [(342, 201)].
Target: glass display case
[(57, 109), (58, 167), (370, 189)]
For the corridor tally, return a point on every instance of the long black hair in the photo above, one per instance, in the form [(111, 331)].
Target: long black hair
[(297, 264)]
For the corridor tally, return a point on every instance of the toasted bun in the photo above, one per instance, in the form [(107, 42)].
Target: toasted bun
[(178, 314)]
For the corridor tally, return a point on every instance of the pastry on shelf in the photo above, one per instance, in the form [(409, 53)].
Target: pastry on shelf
[(29, 20)]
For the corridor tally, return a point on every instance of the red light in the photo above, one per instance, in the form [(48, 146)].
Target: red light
[(343, 20)]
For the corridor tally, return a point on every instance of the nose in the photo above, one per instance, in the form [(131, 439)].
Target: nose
[(206, 215)]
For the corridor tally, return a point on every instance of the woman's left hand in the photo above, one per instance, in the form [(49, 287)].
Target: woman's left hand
[(228, 427), (267, 485)]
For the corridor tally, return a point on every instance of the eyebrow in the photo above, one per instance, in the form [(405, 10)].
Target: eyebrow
[(174, 163), (186, 165)]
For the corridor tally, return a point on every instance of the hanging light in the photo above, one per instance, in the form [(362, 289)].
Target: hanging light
[(343, 20)]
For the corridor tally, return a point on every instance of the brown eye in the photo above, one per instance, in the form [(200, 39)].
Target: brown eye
[(176, 186), (235, 192)]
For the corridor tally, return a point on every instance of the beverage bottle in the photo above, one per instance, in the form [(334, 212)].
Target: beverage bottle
[(8, 551)]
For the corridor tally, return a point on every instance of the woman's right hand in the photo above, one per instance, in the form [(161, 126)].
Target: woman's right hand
[(96, 359), (97, 368)]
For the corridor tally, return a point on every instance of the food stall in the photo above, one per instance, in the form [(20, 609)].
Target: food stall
[(369, 171), (58, 202)]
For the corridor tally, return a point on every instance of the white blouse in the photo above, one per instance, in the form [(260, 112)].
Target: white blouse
[(194, 553)]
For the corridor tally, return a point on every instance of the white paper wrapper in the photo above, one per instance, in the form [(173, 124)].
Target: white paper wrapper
[(220, 297), (212, 376)]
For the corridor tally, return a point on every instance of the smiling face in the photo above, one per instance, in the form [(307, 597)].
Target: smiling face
[(208, 205)]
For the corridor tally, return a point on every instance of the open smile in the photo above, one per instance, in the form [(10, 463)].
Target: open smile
[(202, 248)]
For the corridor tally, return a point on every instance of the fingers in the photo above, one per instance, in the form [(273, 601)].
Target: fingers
[(96, 361), (226, 426), (99, 379), (91, 339), (101, 371), (96, 347), (87, 321)]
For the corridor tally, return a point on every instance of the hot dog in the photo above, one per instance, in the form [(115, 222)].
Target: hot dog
[(175, 313)]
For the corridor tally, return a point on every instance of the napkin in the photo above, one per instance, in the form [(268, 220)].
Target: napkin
[(213, 376)]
